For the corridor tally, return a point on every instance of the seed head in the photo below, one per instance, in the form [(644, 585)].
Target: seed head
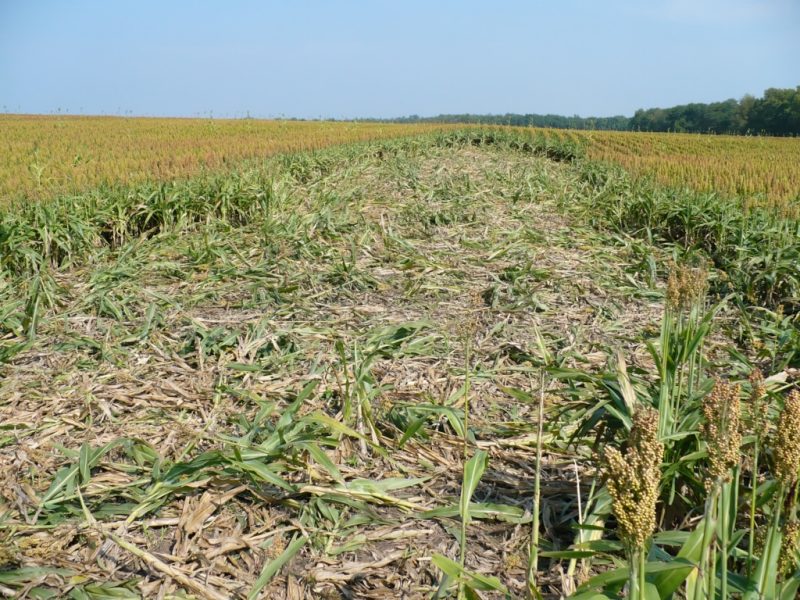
[(787, 563), (673, 291), (686, 286), (721, 432), (787, 441), (633, 479), (789, 212)]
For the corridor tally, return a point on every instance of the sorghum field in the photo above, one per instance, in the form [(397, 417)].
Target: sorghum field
[(466, 363), (765, 169), (42, 156)]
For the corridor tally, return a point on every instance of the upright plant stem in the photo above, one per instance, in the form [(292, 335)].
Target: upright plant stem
[(724, 513), (533, 563), (463, 550), (636, 577), (642, 563), (664, 402), (753, 490), (677, 403), (706, 573), (696, 357)]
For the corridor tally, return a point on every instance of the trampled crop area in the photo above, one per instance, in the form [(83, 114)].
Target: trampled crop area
[(474, 362)]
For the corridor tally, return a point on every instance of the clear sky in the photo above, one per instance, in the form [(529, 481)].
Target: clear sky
[(350, 58)]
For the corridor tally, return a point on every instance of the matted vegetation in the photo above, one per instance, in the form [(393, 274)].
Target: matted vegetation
[(399, 369)]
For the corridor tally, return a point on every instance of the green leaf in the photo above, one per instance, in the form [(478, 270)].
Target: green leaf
[(66, 478), (474, 580), (307, 390), (473, 471), (650, 592), (520, 395), (565, 554), (84, 467), (600, 546), (411, 430), (471, 594), (668, 582), (626, 389), (620, 575), (322, 458), (25, 575), (766, 573), (790, 588), (480, 510), (272, 567), (671, 538), (382, 486), (339, 427), (261, 471), (591, 596)]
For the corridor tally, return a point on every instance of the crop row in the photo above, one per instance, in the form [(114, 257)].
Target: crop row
[(42, 156), (765, 169)]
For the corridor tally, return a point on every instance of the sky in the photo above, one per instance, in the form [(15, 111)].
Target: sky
[(375, 58)]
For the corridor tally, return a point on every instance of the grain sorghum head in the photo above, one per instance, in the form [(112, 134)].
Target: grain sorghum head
[(787, 441), (721, 432), (673, 291), (633, 479), (686, 286), (787, 563)]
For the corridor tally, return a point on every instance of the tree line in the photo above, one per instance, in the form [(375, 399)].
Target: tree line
[(777, 112)]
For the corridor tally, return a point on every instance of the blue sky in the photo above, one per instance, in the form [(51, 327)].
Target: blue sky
[(343, 59)]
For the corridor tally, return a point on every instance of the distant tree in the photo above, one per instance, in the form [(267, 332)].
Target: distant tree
[(745, 107), (776, 113)]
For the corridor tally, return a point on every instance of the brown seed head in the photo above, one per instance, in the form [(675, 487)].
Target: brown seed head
[(787, 563), (633, 479), (686, 286), (721, 432), (787, 441), (673, 291)]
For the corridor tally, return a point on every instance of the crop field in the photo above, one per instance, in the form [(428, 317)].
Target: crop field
[(467, 363), (764, 169), (41, 156)]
